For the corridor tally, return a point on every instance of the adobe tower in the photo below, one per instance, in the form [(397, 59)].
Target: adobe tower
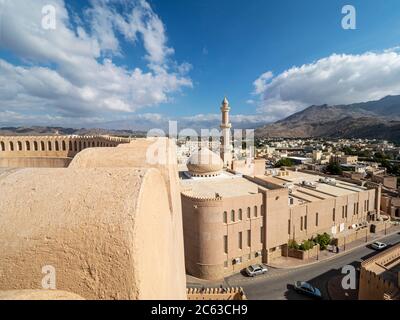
[(226, 147)]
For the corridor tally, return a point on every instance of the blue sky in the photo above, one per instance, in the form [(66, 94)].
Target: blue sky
[(187, 56)]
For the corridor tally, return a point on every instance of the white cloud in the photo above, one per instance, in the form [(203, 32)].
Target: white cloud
[(69, 72), (334, 80)]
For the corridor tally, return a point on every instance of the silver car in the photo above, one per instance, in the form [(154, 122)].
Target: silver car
[(378, 245), (255, 270)]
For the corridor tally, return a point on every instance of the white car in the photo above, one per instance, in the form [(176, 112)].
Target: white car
[(255, 270), (378, 245)]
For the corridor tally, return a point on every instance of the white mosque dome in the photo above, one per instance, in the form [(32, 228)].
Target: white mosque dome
[(204, 163)]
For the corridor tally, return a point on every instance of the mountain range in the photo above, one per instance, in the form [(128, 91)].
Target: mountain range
[(374, 120)]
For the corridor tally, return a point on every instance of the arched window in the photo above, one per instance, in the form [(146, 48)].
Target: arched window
[(70, 146), (35, 146), (19, 146), (76, 146), (42, 146), (49, 145), (255, 211), (27, 146), (84, 144), (3, 146), (233, 216), (93, 144), (57, 146), (225, 217), (248, 213), (11, 146), (240, 214), (80, 145), (64, 146)]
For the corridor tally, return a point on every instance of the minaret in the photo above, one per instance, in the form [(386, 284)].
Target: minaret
[(226, 146)]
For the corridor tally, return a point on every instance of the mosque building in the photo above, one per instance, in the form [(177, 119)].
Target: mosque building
[(235, 215)]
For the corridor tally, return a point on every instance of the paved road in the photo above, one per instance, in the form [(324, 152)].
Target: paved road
[(277, 283)]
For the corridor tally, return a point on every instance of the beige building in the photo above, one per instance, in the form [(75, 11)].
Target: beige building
[(380, 276), (387, 181), (345, 159), (231, 221), (236, 217)]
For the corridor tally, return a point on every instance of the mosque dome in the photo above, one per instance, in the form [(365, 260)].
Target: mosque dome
[(204, 163)]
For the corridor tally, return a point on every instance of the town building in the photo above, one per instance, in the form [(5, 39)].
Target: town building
[(380, 276), (234, 217)]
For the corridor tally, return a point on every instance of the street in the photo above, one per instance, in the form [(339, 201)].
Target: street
[(277, 283)]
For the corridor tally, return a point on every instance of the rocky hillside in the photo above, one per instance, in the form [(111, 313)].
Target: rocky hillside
[(374, 119)]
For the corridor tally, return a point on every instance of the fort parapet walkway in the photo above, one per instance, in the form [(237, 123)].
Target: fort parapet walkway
[(49, 151)]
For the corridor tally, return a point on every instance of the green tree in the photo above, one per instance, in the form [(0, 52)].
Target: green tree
[(323, 240), (307, 245), (334, 168), (284, 162)]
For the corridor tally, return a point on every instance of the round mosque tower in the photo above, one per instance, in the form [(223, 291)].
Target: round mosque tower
[(204, 163)]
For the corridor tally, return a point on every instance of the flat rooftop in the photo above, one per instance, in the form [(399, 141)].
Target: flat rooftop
[(230, 185), (227, 185), (321, 191)]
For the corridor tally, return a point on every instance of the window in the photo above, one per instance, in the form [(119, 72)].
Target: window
[(289, 226), (248, 213), (225, 217), (262, 210), (301, 223), (240, 214), (345, 210), (240, 241), (249, 238), (232, 215), (226, 244), (334, 214), (316, 219), (305, 222), (262, 234), (255, 211), (225, 264)]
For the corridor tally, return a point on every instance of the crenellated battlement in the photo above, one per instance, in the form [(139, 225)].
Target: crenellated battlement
[(230, 293), (201, 199)]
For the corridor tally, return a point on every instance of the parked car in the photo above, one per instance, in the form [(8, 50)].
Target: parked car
[(378, 245), (255, 270), (307, 289)]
